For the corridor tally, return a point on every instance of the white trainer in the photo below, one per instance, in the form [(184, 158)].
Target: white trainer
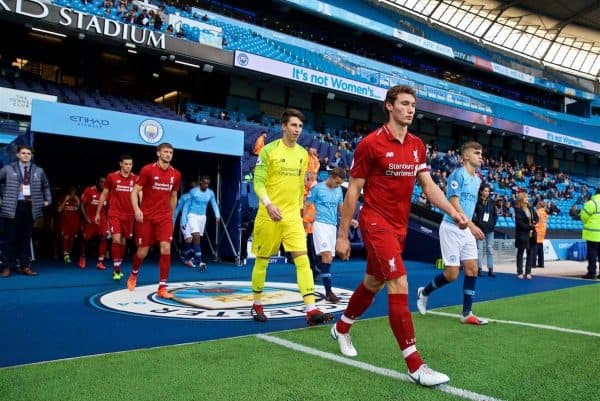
[(421, 301), (425, 376), (344, 341)]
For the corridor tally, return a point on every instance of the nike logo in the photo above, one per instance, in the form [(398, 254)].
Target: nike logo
[(203, 138)]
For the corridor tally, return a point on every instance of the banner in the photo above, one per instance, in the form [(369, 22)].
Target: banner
[(15, 101), (307, 75), (91, 123), (561, 138)]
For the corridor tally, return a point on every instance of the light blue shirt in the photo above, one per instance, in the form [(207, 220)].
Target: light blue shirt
[(184, 198), (466, 187), (198, 202), (327, 201)]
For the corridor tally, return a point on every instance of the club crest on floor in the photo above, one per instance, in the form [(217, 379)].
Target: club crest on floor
[(215, 300)]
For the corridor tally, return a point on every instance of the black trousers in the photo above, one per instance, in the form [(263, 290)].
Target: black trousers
[(18, 232), (528, 260), (538, 253), (593, 251)]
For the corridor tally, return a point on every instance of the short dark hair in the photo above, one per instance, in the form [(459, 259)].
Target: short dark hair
[(21, 147), (289, 113), (205, 177), (164, 145), (393, 92), (125, 157), (339, 172)]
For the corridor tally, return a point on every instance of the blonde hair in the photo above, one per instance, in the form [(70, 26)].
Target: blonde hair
[(521, 196)]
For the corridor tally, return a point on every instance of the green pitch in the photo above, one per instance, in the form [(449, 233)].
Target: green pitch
[(501, 361)]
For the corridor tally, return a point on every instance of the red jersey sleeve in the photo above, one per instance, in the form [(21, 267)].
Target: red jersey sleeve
[(177, 181), (144, 176), (360, 161), (422, 157)]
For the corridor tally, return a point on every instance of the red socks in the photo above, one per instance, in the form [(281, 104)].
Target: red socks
[(164, 265), (403, 329), (359, 302)]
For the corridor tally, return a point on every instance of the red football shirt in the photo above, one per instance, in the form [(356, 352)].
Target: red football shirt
[(90, 199), (157, 185), (390, 169), (70, 215), (119, 188)]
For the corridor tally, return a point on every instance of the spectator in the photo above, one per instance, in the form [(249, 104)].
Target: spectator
[(337, 161), (170, 29), (590, 216), (574, 212), (484, 217), (540, 229), (25, 192), (314, 164), (553, 209), (525, 236), (259, 143)]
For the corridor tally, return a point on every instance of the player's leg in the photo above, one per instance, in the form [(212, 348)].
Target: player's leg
[(450, 239), (198, 247), (83, 247), (468, 258), (144, 238), (324, 236), (266, 238), (294, 241), (163, 234)]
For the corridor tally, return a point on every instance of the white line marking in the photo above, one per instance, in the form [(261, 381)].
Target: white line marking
[(372, 368), (514, 322)]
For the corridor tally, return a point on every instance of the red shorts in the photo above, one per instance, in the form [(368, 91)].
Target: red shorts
[(153, 230), (122, 225), (70, 228), (92, 230), (384, 252)]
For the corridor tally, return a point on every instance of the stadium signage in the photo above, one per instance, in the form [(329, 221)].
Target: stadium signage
[(83, 21), (106, 125), (79, 20), (560, 138), (19, 102), (307, 75), (215, 301)]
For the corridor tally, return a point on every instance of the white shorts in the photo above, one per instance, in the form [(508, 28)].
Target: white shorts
[(186, 232), (196, 222), (324, 236), (456, 244)]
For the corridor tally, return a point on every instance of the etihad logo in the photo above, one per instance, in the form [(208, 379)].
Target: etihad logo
[(215, 300), (89, 122)]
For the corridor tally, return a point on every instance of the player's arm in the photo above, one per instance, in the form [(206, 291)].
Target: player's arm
[(261, 172), (82, 208), (438, 198), (101, 201), (355, 186), (301, 178), (215, 207), (185, 210), (173, 200), (178, 208), (135, 202)]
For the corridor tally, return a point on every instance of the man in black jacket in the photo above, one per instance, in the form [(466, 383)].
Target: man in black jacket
[(24, 193), (485, 217)]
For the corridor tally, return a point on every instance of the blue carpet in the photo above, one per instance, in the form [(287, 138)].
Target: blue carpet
[(53, 315)]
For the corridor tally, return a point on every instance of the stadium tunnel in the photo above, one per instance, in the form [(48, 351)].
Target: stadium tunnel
[(76, 160)]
